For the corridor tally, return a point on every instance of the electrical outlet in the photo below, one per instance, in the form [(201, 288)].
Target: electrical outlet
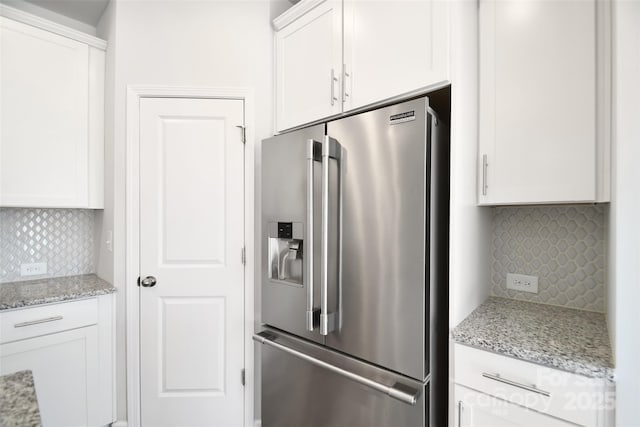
[(520, 282), (33, 269)]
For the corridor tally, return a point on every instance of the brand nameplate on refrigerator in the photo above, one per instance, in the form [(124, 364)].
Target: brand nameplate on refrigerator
[(402, 117)]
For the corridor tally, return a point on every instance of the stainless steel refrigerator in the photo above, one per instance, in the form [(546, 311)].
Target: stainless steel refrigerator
[(354, 281)]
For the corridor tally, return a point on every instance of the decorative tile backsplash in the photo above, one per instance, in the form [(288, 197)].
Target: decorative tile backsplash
[(63, 238), (563, 245)]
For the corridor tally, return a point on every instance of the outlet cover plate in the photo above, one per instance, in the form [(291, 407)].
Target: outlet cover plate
[(520, 282), (33, 269)]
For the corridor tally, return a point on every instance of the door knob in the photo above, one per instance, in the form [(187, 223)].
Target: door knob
[(148, 282)]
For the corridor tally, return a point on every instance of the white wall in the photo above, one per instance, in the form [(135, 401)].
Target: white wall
[(624, 285), (105, 220), (213, 43), (470, 225)]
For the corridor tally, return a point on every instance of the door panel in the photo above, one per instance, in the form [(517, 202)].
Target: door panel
[(308, 66), (393, 47), (65, 373), (297, 393), (44, 122), (537, 154), (383, 296), (191, 240), (475, 409), (184, 354), (284, 196)]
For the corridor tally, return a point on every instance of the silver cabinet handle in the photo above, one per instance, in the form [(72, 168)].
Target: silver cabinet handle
[(532, 388), (345, 94), (313, 155), (334, 79), (330, 149), (484, 174), (398, 391), (459, 413), (36, 322)]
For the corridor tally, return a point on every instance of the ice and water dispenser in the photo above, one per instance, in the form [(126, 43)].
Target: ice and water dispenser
[(286, 253)]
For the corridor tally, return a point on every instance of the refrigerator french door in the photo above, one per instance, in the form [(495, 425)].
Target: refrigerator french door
[(354, 274)]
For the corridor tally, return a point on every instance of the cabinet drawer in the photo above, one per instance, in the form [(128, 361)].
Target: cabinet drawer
[(47, 319), (564, 395)]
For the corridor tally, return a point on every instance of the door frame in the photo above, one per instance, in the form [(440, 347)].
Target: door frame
[(132, 231)]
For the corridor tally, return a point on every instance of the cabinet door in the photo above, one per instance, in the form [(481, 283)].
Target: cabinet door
[(308, 66), (537, 102), (65, 374), (474, 409), (392, 47), (44, 121)]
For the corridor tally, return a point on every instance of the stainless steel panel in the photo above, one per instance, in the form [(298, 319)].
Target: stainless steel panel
[(284, 199), (438, 268), (382, 293), (298, 393)]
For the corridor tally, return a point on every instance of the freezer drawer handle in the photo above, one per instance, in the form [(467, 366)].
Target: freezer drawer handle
[(398, 391), (533, 388)]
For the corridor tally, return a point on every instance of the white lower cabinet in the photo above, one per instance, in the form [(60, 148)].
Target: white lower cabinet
[(492, 390), (474, 409), (69, 349)]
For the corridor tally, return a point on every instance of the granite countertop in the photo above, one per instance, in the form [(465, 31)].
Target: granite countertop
[(18, 402), (572, 340), (54, 289)]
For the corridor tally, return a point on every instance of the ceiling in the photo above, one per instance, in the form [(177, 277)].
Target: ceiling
[(86, 11)]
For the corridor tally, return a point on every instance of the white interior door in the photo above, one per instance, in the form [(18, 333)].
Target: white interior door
[(191, 241)]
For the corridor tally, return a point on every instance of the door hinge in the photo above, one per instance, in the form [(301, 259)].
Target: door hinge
[(244, 255), (243, 133), (242, 378)]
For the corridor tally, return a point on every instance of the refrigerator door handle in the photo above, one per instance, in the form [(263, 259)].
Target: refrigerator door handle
[(398, 391), (313, 155), (330, 149)]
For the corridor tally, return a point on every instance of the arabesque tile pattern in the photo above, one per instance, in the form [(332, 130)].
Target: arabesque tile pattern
[(563, 245), (63, 238)]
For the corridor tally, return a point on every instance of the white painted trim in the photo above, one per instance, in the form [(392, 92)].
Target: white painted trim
[(119, 424), (132, 255), (294, 13), (258, 423), (97, 69), (54, 27), (134, 94)]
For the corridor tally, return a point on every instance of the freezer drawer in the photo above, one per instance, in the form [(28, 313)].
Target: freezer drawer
[(304, 384)]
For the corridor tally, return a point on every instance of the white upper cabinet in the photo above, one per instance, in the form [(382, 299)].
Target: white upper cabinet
[(308, 64), (392, 47), (51, 118), (543, 103), (334, 56)]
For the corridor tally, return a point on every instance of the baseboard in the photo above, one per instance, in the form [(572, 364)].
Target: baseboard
[(119, 424)]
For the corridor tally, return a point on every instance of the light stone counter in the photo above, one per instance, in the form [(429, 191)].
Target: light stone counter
[(18, 402), (55, 289), (572, 340)]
